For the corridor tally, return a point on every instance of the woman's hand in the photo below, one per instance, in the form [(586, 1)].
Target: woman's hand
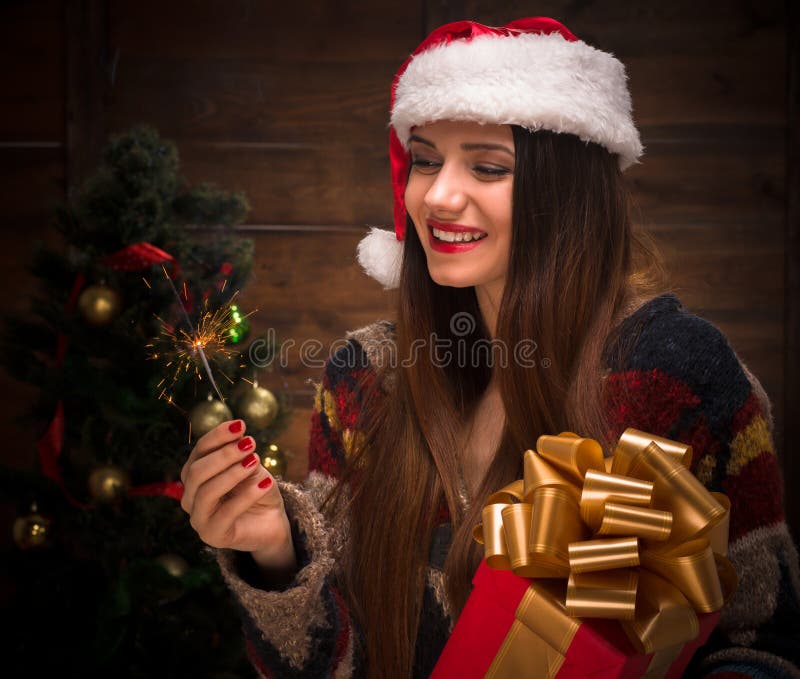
[(233, 501)]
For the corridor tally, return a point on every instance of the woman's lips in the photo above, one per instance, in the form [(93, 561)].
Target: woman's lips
[(455, 228), (442, 246)]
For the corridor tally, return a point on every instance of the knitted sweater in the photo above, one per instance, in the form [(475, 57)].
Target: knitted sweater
[(681, 379)]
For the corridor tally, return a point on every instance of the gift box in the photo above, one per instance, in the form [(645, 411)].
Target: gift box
[(595, 567), (595, 648)]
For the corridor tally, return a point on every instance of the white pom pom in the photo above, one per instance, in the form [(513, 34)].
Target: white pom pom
[(380, 254)]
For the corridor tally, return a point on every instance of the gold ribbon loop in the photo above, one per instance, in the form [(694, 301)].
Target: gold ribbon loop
[(664, 617), (601, 555), (692, 568), (633, 441), (610, 594), (491, 534), (517, 527), (652, 524), (511, 493), (599, 488), (555, 523), (571, 454), (676, 490), (540, 474)]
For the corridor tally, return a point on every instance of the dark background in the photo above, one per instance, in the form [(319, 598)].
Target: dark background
[(288, 102)]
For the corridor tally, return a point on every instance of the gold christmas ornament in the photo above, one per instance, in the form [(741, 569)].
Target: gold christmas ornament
[(273, 459), (258, 407), (174, 564), (99, 304), (108, 483), (207, 414), (31, 531)]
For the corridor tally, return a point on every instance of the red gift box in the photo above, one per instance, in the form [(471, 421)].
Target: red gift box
[(594, 572), (595, 567), (597, 648)]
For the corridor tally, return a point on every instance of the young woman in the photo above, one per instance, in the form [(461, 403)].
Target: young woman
[(528, 304)]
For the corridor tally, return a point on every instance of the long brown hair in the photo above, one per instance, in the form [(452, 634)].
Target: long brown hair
[(577, 267)]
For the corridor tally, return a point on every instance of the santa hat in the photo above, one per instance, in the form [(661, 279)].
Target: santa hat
[(531, 72)]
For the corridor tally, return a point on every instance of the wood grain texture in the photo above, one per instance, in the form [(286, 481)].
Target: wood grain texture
[(87, 72), (294, 443), (645, 28), (791, 376), (327, 185), (32, 88), (357, 31)]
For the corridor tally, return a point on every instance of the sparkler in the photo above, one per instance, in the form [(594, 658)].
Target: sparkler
[(209, 338)]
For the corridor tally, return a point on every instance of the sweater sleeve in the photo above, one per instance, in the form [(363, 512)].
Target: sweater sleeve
[(304, 629), (684, 381)]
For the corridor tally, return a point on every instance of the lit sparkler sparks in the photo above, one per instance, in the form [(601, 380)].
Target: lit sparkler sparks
[(188, 350)]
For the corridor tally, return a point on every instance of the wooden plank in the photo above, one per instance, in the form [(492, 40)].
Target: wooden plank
[(721, 235), (32, 84), (358, 30), (726, 266), (792, 298), (711, 88), (294, 443), (705, 137), (255, 101), (345, 184), (627, 28), (716, 185), (86, 76), (31, 184)]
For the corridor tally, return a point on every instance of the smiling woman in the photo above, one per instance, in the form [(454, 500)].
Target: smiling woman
[(511, 229), (461, 182)]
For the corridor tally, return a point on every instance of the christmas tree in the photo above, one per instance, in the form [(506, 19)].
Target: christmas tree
[(134, 340)]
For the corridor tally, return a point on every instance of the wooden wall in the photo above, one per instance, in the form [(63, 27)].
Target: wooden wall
[(288, 102)]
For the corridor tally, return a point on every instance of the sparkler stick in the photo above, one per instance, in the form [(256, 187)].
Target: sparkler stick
[(197, 344)]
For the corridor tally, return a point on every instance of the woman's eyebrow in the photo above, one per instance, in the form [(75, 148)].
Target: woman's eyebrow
[(465, 146), (487, 147), (414, 137)]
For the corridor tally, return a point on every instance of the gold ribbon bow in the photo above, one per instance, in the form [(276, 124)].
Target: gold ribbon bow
[(636, 537)]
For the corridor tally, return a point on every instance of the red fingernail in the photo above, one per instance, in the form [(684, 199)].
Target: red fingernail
[(246, 443), (250, 460), (235, 427), (266, 483)]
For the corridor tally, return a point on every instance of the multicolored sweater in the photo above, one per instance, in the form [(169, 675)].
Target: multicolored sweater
[(681, 380)]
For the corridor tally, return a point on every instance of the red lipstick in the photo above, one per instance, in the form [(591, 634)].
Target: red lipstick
[(442, 246)]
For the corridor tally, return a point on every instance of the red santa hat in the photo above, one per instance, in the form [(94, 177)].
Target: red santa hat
[(532, 72)]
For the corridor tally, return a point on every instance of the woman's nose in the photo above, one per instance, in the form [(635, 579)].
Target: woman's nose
[(446, 194)]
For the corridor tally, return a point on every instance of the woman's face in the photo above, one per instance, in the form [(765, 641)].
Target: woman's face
[(460, 183)]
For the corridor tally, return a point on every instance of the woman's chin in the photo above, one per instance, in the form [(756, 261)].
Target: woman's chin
[(452, 279)]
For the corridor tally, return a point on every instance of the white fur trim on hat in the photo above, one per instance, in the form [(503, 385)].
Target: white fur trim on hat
[(533, 80), (380, 254)]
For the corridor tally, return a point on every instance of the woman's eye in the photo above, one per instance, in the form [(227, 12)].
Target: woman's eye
[(491, 170), (424, 165)]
